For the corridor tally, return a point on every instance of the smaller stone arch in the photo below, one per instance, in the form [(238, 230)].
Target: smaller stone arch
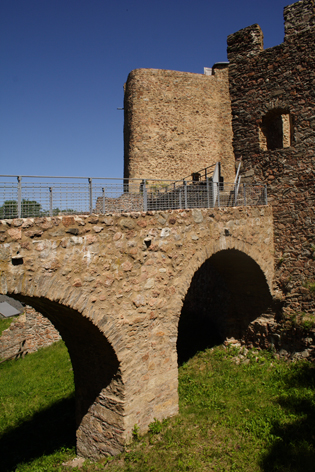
[(99, 388), (226, 292), (263, 256)]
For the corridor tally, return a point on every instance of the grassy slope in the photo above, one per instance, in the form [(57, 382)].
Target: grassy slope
[(256, 416), (253, 417), (36, 406)]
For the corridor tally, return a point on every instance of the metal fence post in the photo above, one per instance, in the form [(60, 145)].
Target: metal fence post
[(174, 197), (50, 202), (103, 206), (244, 193), (145, 197), (208, 192), (266, 195), (218, 190), (90, 196), (180, 198), (185, 194), (235, 195), (212, 197), (19, 206)]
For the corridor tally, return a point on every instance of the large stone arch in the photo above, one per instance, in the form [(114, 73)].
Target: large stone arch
[(99, 386), (235, 267), (264, 260)]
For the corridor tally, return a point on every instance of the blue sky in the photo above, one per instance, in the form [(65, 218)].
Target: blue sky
[(64, 63)]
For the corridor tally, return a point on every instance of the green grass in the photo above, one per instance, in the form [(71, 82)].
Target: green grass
[(300, 320), (256, 416), (250, 417), (36, 409), (6, 322)]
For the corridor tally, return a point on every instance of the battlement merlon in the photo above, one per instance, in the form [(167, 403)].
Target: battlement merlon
[(299, 17), (244, 43)]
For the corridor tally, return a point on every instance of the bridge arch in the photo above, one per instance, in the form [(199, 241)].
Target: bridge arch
[(99, 386), (224, 289)]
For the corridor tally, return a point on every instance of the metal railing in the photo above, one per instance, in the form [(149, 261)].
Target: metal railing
[(201, 175), (32, 196), (207, 194)]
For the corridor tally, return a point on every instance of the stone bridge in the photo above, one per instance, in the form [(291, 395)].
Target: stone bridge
[(133, 295)]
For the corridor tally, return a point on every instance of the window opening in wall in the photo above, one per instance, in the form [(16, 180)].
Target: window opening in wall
[(276, 130)]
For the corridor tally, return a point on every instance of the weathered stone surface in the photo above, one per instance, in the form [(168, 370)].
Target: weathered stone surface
[(68, 221), (118, 302), (127, 223), (263, 83), (98, 229), (74, 231), (15, 233), (176, 123), (27, 333), (34, 233), (17, 222), (197, 216)]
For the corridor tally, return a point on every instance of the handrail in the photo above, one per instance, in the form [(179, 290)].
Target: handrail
[(237, 173), (204, 170), (83, 178), (237, 183)]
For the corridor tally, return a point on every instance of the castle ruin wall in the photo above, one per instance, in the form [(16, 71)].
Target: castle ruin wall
[(273, 106)]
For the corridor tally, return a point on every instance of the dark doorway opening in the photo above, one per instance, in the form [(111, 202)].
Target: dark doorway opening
[(226, 294), (204, 308)]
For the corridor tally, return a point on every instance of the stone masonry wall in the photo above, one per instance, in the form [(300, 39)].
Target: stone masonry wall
[(177, 123), (124, 277), (280, 81), (29, 331)]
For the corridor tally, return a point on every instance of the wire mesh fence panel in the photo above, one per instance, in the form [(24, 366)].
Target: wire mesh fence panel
[(43, 199), (163, 199), (8, 200), (69, 198), (197, 196), (34, 200), (207, 195), (251, 195), (97, 195), (117, 198)]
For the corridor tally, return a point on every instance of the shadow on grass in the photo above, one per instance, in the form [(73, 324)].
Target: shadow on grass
[(45, 433), (195, 338), (294, 450)]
